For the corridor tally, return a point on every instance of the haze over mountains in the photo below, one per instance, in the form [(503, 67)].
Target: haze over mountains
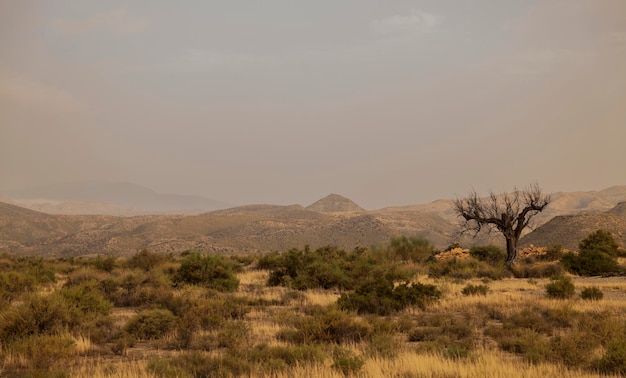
[(110, 198), (331, 220)]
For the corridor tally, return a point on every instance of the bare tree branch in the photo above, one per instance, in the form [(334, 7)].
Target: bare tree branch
[(509, 213)]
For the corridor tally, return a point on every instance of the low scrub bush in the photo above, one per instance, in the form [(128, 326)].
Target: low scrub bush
[(413, 249), (475, 290), (276, 358), (145, 260), (383, 297), (537, 270), (37, 315), (553, 253), (346, 361), (329, 267), (42, 352), (614, 359), (325, 325), (210, 271), (197, 364), (449, 334), (234, 335), (488, 253), (591, 293), (466, 269), (560, 288), (151, 324)]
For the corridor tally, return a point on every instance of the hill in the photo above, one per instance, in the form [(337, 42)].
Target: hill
[(331, 220), (334, 203), (569, 230)]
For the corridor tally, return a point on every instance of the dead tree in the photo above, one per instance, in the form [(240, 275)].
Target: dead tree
[(508, 213)]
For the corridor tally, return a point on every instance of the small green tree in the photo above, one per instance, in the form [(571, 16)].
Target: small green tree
[(597, 256)]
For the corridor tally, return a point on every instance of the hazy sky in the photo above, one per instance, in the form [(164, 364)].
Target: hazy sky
[(386, 102)]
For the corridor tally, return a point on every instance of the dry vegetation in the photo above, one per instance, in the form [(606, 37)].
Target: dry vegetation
[(322, 313)]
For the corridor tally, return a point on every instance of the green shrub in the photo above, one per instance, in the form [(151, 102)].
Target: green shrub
[(151, 324), (600, 240), (86, 299), (276, 358), (145, 260), (592, 293), (43, 351), (449, 334), (329, 267), (325, 325), (553, 253), (414, 249), (214, 272), (383, 345), (614, 359), (537, 270), (383, 297), (106, 264), (470, 289), (488, 253), (13, 284), (37, 315), (196, 364), (597, 256), (466, 269), (560, 288), (347, 361), (234, 334)]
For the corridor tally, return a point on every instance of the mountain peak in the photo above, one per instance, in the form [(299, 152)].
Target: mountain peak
[(334, 203)]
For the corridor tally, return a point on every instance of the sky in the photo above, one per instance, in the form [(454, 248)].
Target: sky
[(280, 101)]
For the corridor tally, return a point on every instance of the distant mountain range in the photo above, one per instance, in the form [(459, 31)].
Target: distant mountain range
[(111, 198), (332, 220)]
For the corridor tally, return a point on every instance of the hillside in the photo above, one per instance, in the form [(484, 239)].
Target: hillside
[(331, 220), (569, 230), (334, 203)]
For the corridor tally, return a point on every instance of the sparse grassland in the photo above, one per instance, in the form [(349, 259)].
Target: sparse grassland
[(286, 315)]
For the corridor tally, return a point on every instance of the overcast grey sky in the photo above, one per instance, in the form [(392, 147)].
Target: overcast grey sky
[(386, 102)]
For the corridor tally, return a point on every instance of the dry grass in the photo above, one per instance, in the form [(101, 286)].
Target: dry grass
[(271, 310)]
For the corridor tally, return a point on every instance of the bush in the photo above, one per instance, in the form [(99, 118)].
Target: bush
[(466, 269), (278, 357), (87, 299), (560, 288), (325, 325), (475, 290), (591, 293), (553, 253), (488, 253), (411, 249), (597, 256), (151, 324), (614, 359), (105, 264), (214, 272), (383, 297), (234, 335), (145, 260), (43, 351), (538, 270), (37, 315), (346, 361), (196, 364), (600, 240), (591, 263)]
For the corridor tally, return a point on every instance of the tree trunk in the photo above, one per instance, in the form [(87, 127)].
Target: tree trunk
[(511, 251)]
